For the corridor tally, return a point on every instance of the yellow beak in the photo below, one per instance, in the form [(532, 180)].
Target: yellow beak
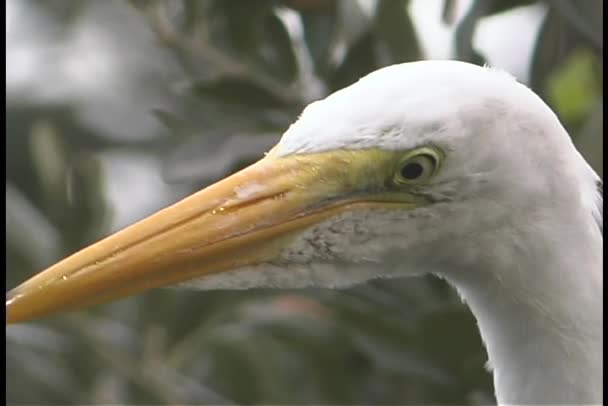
[(243, 220)]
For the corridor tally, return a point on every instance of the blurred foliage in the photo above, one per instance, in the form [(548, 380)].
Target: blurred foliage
[(235, 74)]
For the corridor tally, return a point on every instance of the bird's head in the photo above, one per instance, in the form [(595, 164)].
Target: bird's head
[(409, 169)]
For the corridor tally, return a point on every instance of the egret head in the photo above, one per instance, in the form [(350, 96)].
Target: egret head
[(413, 168)]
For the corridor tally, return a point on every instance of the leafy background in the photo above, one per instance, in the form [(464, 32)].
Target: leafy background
[(119, 108)]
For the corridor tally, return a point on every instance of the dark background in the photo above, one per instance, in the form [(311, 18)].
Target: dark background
[(118, 108)]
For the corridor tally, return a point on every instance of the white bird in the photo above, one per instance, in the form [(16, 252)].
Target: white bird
[(438, 166)]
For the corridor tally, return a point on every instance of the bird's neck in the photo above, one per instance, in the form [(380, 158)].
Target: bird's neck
[(541, 322)]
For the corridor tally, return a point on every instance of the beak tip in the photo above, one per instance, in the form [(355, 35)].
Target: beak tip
[(9, 307), (13, 308)]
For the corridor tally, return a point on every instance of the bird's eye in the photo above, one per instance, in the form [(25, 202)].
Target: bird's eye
[(417, 166)]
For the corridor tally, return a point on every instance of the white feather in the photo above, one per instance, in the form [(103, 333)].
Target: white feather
[(514, 229)]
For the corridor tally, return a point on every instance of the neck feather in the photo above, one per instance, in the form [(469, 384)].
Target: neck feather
[(541, 322)]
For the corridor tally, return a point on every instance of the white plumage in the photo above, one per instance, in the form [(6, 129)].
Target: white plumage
[(523, 216), (515, 227), (511, 218)]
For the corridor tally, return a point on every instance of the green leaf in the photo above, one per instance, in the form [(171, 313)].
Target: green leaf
[(590, 139), (319, 34), (359, 61), (29, 234), (244, 22), (142, 4), (573, 89), (170, 120), (238, 91), (584, 21), (463, 35), (50, 156), (448, 12), (395, 31), (278, 51), (501, 6), (550, 48), (86, 203)]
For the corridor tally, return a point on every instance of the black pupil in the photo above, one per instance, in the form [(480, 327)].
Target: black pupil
[(412, 170)]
